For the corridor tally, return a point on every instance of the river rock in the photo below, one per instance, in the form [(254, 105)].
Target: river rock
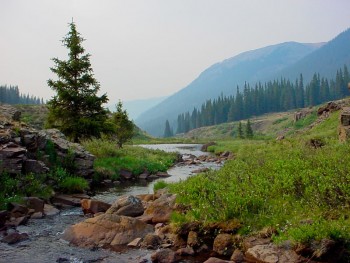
[(17, 210), (270, 253), (185, 251), (192, 239), (237, 256), (50, 210), (34, 203), (217, 260), (14, 238), (90, 206), (164, 256), (223, 244), (135, 243), (106, 229), (127, 206), (163, 174), (65, 200), (125, 174), (252, 241), (151, 241), (161, 208)]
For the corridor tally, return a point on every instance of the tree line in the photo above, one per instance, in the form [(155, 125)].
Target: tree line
[(272, 96), (11, 95)]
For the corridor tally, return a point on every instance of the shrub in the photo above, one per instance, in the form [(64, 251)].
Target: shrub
[(73, 184)]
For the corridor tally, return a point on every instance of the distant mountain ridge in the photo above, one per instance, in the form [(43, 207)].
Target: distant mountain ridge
[(271, 62)]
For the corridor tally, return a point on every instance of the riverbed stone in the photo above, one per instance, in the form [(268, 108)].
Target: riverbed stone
[(216, 260), (65, 200), (4, 215), (14, 238), (125, 174), (90, 206), (106, 229), (34, 203), (164, 256), (50, 210), (185, 251), (270, 253), (127, 206), (151, 241), (161, 208), (223, 244)]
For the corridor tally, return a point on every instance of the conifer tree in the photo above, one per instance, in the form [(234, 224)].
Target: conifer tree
[(249, 130), (124, 128), (168, 131), (76, 109), (240, 131)]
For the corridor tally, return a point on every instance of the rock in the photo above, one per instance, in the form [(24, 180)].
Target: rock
[(4, 215), (135, 243), (15, 222), (223, 244), (270, 253), (163, 174), (11, 158), (17, 210), (144, 176), (50, 210), (161, 208), (62, 199), (106, 229), (37, 215), (200, 170), (250, 242), (152, 177), (315, 143), (147, 197), (186, 251), (10, 112), (90, 206), (205, 146), (216, 260), (127, 206), (237, 256), (280, 138), (192, 239), (329, 107), (36, 167), (125, 174), (34, 203), (14, 238), (151, 241), (164, 256)]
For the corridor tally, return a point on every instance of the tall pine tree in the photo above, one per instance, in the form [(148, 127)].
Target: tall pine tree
[(76, 109)]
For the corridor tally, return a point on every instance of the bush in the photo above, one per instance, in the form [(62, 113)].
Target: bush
[(73, 184)]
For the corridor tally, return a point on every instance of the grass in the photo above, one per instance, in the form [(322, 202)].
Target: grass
[(111, 160), (277, 184)]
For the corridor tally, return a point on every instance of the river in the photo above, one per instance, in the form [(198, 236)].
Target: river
[(45, 244)]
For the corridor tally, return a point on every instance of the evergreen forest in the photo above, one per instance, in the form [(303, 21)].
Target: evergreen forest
[(273, 96), (11, 95)]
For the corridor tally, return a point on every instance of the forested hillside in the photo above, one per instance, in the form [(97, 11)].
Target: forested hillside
[(11, 95), (273, 96)]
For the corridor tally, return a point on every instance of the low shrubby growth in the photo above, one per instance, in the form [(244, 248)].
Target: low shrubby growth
[(301, 191), (111, 159)]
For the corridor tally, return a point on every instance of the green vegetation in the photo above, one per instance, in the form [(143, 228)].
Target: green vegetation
[(111, 159), (301, 191), (76, 109), (124, 128)]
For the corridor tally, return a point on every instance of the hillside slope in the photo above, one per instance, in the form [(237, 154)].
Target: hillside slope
[(223, 78)]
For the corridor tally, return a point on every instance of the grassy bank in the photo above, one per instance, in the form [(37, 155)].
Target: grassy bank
[(301, 191), (111, 160)]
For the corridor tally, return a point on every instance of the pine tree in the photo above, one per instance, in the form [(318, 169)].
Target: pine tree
[(124, 128), (168, 131), (76, 109), (249, 130), (240, 131)]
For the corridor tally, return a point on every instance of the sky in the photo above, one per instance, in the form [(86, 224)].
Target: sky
[(150, 48)]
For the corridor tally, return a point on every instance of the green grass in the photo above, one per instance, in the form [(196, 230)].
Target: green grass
[(110, 159), (277, 184)]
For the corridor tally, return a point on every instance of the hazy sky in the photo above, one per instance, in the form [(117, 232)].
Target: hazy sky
[(149, 48)]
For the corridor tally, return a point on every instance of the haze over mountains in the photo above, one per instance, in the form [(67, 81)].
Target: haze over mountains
[(286, 60)]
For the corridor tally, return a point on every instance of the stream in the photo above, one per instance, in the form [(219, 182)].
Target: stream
[(45, 244)]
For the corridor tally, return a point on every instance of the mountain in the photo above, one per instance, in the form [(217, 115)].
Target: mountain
[(326, 60), (285, 60), (223, 78)]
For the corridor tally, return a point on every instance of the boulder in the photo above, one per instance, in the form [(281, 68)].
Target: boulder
[(185, 251), (37, 215), (4, 215), (16, 221), (135, 243), (237, 256), (50, 210), (216, 260), (14, 238), (35, 167), (65, 200), (127, 206), (164, 256), (252, 241), (11, 158), (34, 203), (161, 208), (10, 112), (17, 210), (223, 244), (329, 107), (270, 253), (106, 229), (125, 174), (163, 174), (90, 206), (151, 241), (192, 239)]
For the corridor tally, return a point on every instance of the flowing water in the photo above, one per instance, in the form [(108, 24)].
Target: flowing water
[(45, 244)]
